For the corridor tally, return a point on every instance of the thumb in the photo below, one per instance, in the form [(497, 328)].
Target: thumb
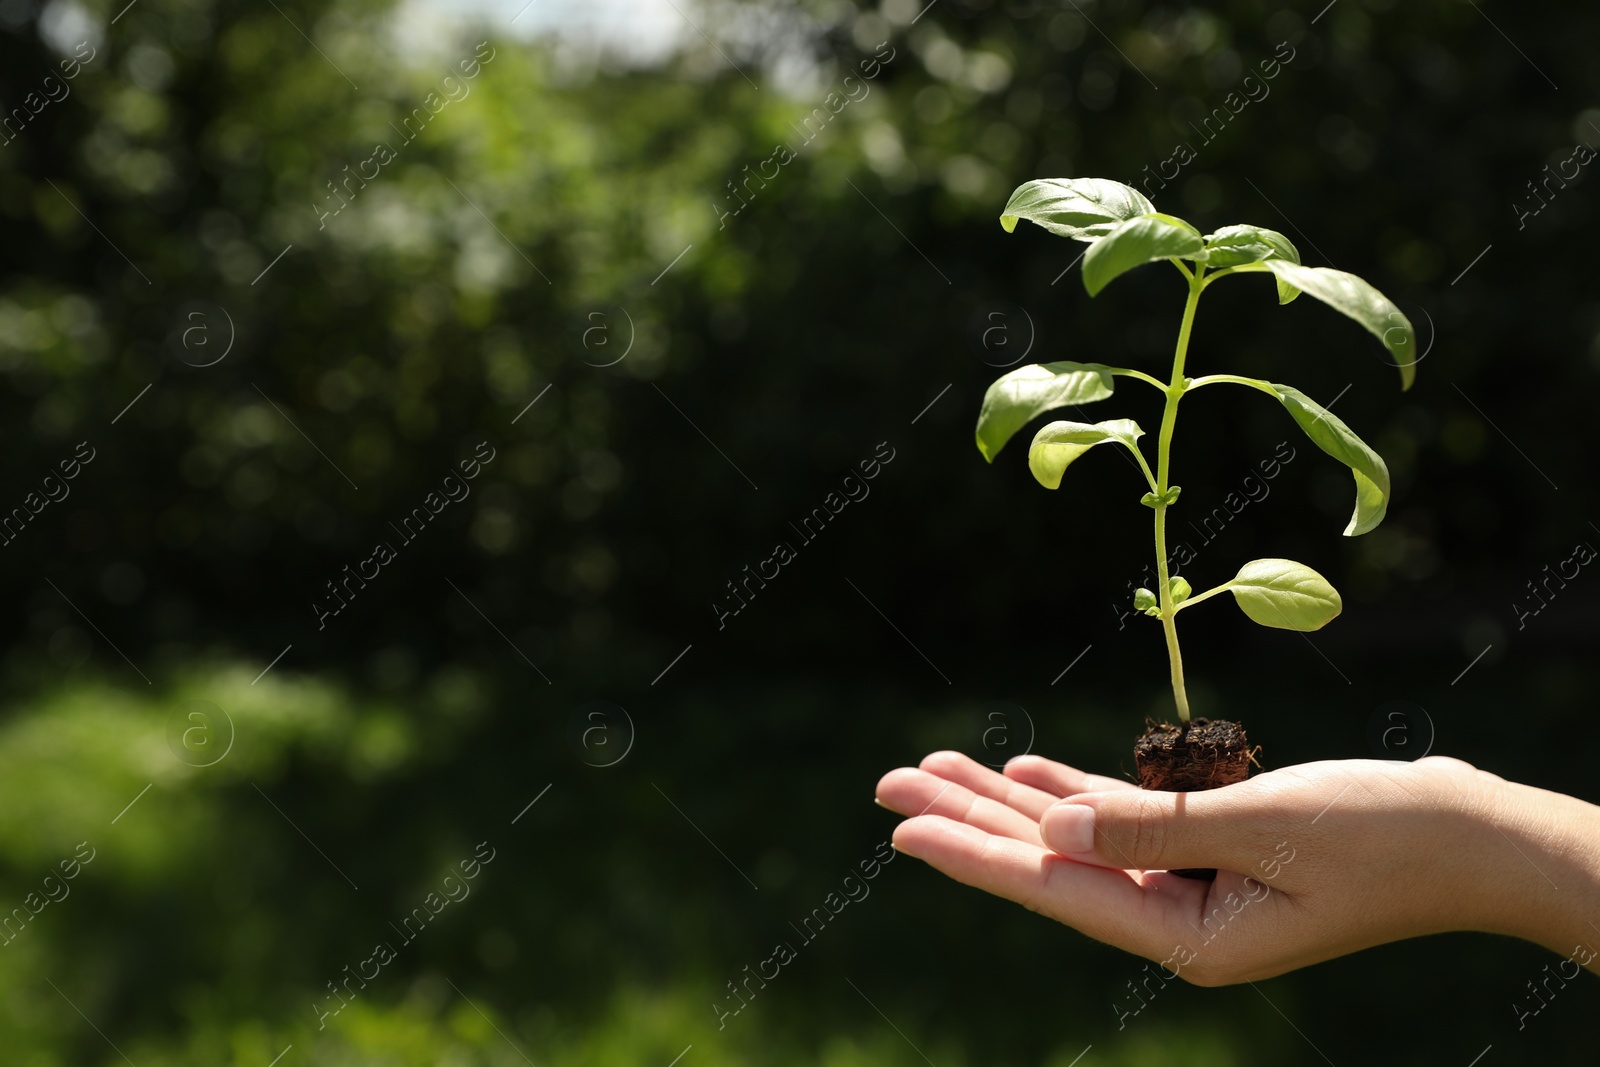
[(1137, 829)]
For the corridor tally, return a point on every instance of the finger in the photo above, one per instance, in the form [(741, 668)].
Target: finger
[(1058, 779), (955, 767), (1231, 828), (1107, 905), (912, 791)]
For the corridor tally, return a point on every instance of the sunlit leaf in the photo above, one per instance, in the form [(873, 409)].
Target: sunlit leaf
[(1058, 444), (1356, 298), (1081, 208), (1329, 433), (1013, 399), (1285, 594), (1233, 245), (1136, 242)]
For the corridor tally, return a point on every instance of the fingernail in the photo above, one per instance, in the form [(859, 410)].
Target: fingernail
[(878, 802), (1069, 828)]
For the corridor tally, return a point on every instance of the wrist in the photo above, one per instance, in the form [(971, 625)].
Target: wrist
[(1541, 869)]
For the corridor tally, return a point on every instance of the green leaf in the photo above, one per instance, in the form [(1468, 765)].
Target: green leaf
[(1232, 246), (1169, 498), (1179, 587), (1013, 399), (1137, 242), (1329, 433), (1057, 444), (1284, 594), (1144, 600), (1244, 245), (1081, 208), (1360, 301)]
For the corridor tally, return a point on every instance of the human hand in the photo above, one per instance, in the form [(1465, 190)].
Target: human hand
[(1313, 861)]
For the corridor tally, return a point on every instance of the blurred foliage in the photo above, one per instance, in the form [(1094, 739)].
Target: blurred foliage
[(567, 190)]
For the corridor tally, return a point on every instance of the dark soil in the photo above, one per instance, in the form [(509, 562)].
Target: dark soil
[(1185, 759)]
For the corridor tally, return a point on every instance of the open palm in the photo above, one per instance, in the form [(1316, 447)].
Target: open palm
[(1313, 861)]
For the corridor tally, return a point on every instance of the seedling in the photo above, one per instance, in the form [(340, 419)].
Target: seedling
[(1124, 231)]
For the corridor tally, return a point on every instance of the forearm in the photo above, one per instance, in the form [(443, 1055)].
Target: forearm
[(1546, 848)]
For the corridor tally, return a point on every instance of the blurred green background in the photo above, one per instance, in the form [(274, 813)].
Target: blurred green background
[(267, 385)]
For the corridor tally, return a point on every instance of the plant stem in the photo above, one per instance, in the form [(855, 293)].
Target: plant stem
[(1207, 595), (1139, 374), (1254, 383), (1169, 417)]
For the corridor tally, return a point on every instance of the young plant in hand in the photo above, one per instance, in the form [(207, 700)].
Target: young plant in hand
[(1124, 231)]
